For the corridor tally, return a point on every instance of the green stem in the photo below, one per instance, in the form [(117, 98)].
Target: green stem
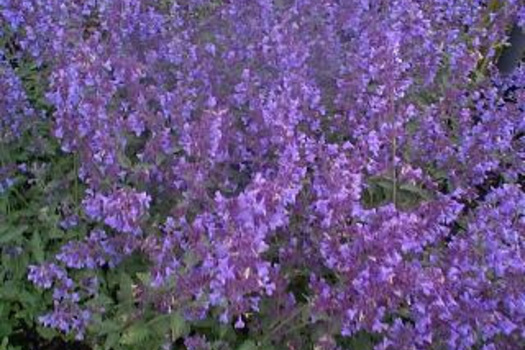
[(277, 326), (19, 196)]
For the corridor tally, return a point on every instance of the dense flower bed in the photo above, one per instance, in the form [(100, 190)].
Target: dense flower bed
[(360, 160)]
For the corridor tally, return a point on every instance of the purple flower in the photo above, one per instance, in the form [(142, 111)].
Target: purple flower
[(121, 210), (196, 343), (45, 275), (239, 324)]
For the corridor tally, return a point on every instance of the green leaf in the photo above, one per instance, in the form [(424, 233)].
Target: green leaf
[(144, 277), (226, 332), (46, 332), (5, 342), (414, 190), (5, 329), (248, 345), (361, 340), (37, 247), (28, 299), (136, 334), (387, 184), (125, 293), (54, 233), (160, 325), (111, 341), (8, 234), (108, 327), (178, 326)]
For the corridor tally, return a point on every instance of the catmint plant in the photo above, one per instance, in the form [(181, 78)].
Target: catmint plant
[(371, 146)]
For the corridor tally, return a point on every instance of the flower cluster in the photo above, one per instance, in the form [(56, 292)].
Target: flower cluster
[(122, 210), (231, 142), (15, 109), (67, 315)]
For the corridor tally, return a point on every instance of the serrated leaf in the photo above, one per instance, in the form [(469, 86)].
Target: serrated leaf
[(414, 190), (108, 327), (29, 299), (111, 341), (54, 233), (20, 265), (382, 182), (125, 161), (160, 325), (248, 345), (125, 293), (5, 330), (144, 277), (46, 332), (136, 334), (178, 326), (37, 248), (9, 291), (8, 234), (226, 332)]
